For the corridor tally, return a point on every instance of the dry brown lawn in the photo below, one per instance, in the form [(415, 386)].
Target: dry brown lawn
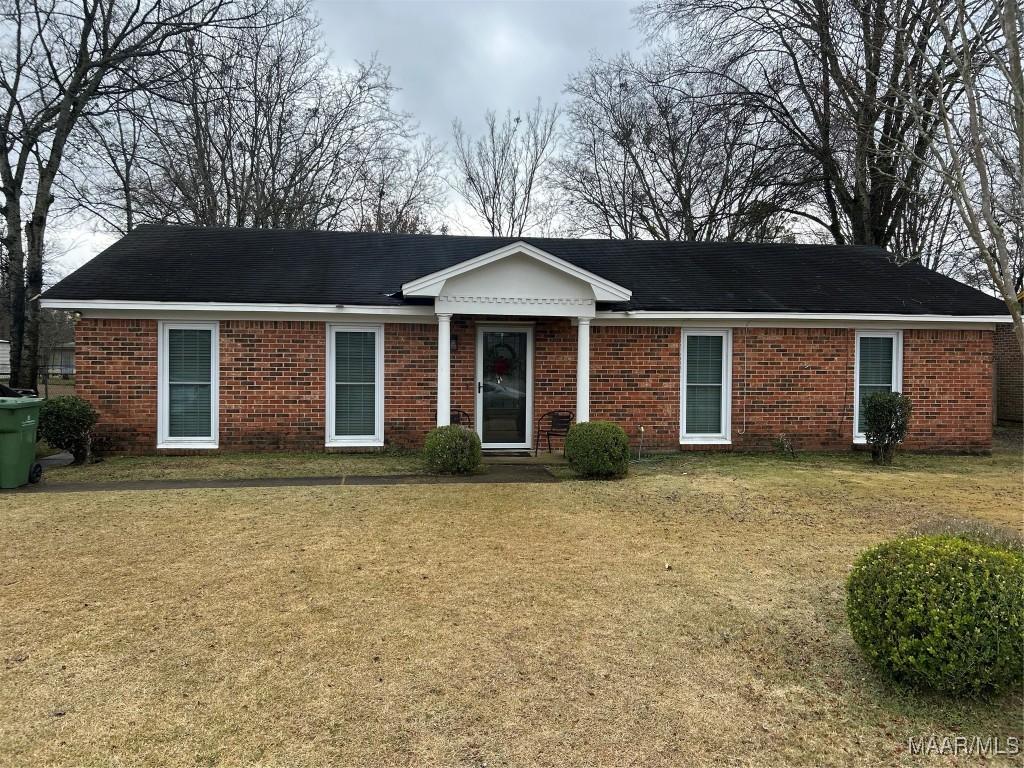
[(691, 615), (239, 466)]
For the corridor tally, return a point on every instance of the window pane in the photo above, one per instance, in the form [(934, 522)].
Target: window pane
[(876, 361), (189, 377), (876, 356), (188, 354), (354, 409), (703, 410), (355, 376), (188, 410), (704, 359), (354, 357)]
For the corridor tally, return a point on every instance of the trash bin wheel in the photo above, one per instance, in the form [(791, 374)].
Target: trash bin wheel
[(35, 474)]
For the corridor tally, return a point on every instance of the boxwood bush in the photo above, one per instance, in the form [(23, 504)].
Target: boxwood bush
[(940, 613), (886, 418), (597, 449), (452, 450), (66, 423)]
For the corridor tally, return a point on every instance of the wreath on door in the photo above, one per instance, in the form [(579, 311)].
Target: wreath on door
[(503, 359)]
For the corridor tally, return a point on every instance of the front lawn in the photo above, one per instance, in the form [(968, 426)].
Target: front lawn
[(240, 466), (690, 615)]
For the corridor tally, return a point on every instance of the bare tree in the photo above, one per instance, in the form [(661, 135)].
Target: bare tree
[(655, 154), (501, 174), (932, 234), (829, 74), (978, 106), (263, 132), (58, 61), (104, 172), (404, 189)]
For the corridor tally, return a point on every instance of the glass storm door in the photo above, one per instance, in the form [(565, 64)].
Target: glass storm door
[(504, 386)]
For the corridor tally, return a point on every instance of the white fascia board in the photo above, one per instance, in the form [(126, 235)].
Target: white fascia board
[(430, 285), (845, 318), (211, 307)]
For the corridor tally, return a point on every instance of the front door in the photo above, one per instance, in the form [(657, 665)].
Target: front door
[(504, 386)]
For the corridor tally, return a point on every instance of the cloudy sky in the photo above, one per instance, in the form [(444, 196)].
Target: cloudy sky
[(455, 58)]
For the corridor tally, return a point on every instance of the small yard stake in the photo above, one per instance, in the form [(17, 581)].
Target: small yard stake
[(640, 450)]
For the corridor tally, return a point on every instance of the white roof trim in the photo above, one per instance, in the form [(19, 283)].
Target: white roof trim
[(847, 316), (427, 311), (430, 285), (223, 306)]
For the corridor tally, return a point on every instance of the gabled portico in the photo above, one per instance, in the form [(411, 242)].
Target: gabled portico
[(522, 282)]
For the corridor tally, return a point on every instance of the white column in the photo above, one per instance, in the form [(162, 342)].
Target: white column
[(583, 370), (444, 370)]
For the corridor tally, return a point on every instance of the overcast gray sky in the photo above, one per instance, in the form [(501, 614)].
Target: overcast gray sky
[(452, 58), (456, 59)]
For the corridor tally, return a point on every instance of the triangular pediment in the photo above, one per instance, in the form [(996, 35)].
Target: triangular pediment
[(518, 273)]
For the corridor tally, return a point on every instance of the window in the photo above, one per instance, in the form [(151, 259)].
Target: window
[(706, 387), (188, 382), (878, 368), (355, 385)]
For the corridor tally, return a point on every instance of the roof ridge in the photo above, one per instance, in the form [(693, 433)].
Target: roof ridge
[(773, 244)]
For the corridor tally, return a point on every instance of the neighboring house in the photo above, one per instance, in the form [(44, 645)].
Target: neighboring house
[(205, 338), (5, 358), (62, 360), (1009, 376)]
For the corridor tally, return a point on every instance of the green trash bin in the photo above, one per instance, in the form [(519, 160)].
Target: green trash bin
[(19, 418)]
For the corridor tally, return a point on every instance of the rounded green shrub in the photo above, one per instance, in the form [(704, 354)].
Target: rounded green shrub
[(452, 450), (940, 613), (598, 449), (886, 419), (66, 423)]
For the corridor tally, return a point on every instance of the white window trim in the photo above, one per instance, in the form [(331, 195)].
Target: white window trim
[(376, 440), (725, 436), (164, 440), (897, 372)]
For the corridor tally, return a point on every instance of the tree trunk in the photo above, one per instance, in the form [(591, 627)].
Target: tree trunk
[(16, 285), (34, 232)]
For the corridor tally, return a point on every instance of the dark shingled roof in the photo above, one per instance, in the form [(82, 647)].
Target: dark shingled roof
[(199, 264)]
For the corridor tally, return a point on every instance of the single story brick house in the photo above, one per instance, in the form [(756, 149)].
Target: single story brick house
[(192, 338)]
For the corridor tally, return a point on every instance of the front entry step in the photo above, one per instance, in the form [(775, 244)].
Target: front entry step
[(523, 457)]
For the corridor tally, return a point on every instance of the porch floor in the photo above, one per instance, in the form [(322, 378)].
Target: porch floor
[(517, 457)]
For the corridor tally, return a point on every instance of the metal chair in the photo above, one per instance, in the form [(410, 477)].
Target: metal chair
[(460, 418), (558, 423)]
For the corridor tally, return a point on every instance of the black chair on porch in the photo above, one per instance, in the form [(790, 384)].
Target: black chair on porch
[(552, 424), (460, 418)]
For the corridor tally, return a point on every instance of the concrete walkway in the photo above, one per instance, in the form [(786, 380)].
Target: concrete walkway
[(57, 460), (495, 473)]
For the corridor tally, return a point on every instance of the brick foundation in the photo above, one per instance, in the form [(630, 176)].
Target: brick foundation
[(793, 381)]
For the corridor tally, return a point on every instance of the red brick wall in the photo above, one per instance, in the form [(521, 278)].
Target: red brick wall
[(1009, 373), (797, 381), (410, 383), (948, 376), (554, 369), (284, 364), (634, 381), (115, 370)]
